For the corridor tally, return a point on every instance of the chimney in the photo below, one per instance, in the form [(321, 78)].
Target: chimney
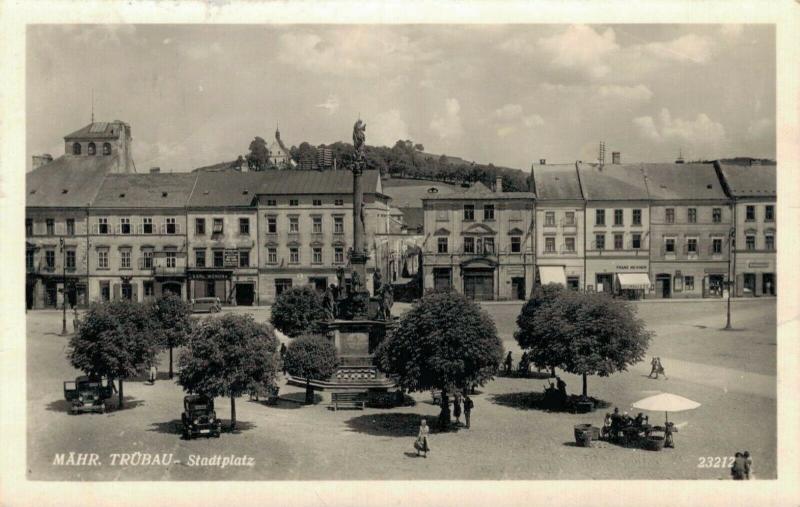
[(155, 170), (498, 184), (616, 157), (40, 160), (542, 161)]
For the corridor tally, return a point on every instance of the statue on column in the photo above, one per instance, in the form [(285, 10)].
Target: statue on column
[(377, 280), (359, 137)]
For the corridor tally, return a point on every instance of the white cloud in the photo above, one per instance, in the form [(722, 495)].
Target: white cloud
[(387, 128), (637, 93), (579, 47), (509, 112), (331, 104), (511, 118), (449, 124), (687, 48), (701, 132), (760, 128)]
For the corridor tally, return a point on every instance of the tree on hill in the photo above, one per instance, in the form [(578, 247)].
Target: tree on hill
[(311, 357), (258, 158), (297, 311), (116, 340), (581, 333), (227, 356), (173, 317), (444, 341)]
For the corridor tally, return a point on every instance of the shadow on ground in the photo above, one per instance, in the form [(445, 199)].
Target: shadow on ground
[(174, 426), (298, 398), (535, 401), (111, 404), (391, 425)]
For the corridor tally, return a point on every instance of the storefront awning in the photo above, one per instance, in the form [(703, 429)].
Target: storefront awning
[(552, 274), (633, 281)]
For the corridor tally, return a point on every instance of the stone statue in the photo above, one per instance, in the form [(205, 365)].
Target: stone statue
[(359, 137), (328, 304), (335, 291), (387, 300), (377, 279), (355, 282), (340, 279)]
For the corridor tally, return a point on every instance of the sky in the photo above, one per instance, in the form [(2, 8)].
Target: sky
[(196, 95)]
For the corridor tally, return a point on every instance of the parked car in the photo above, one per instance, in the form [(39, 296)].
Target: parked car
[(87, 394), (210, 305), (199, 418)]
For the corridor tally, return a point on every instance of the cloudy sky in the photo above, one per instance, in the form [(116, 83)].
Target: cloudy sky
[(508, 94)]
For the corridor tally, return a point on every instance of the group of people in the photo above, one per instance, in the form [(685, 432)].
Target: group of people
[(616, 422), (742, 467), (459, 402), (656, 368)]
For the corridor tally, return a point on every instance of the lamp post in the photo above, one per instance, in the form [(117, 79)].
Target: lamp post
[(63, 286), (730, 283)]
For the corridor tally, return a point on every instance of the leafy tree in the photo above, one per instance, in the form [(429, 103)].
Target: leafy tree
[(116, 339), (297, 311), (583, 334), (311, 357), (226, 356), (173, 316), (444, 341), (258, 158)]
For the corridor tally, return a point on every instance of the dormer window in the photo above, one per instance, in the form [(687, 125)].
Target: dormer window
[(76, 148), (91, 149), (106, 148)]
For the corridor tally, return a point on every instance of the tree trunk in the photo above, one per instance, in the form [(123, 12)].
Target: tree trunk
[(584, 385), (444, 415), (552, 371), (309, 392), (121, 402), (170, 362), (233, 413)]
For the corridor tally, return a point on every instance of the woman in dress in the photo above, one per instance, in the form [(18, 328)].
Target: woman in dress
[(457, 408), (422, 439)]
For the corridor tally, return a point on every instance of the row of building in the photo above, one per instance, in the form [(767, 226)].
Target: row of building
[(95, 230)]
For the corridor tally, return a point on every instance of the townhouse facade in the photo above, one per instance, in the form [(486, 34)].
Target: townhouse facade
[(480, 242)]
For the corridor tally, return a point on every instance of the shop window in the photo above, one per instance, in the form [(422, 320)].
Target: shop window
[(573, 283), (281, 285), (469, 245), (516, 243), (441, 245)]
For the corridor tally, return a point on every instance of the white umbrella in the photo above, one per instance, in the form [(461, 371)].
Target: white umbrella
[(666, 402)]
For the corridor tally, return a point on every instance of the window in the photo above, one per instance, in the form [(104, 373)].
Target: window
[(469, 212), (599, 217), (282, 284), (294, 202), (750, 242), (244, 258), (218, 226), (219, 258), (102, 259), (147, 259), (200, 257), (338, 202), (50, 259), (338, 225), (272, 255), (636, 241), (691, 246), (716, 246), (769, 213), (76, 148), (316, 225), (516, 244), (200, 226), (549, 244), (107, 151), (469, 245), (147, 285), (294, 255), (125, 259), (70, 227), (51, 227), (125, 225), (569, 218), (172, 259), (29, 227), (272, 202), (91, 149), (147, 225), (29, 259), (618, 217), (769, 242), (716, 215), (102, 226), (244, 226), (338, 255), (692, 215), (294, 225), (688, 283), (488, 245), (670, 215), (272, 225), (316, 255), (71, 260), (488, 211), (750, 213), (172, 227), (618, 240), (549, 218), (316, 202), (600, 241), (669, 245), (569, 244), (637, 217), (441, 245)]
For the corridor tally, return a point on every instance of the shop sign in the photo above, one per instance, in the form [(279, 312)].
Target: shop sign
[(716, 271), (209, 275), (638, 268), (758, 264), (231, 258)]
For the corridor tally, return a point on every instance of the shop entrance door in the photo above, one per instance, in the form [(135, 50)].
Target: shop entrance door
[(479, 284), (606, 282), (518, 287), (245, 294), (663, 286), (441, 278), (768, 284)]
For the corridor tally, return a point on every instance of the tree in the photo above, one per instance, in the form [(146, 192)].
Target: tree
[(258, 158), (297, 311), (174, 319), (444, 341), (227, 356), (583, 334), (311, 357), (116, 339)]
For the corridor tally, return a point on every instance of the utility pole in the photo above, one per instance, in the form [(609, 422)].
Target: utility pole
[(63, 287)]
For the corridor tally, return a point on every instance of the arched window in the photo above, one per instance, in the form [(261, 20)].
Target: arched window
[(106, 148), (76, 148), (91, 149)]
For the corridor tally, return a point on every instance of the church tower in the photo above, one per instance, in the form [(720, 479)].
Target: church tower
[(103, 139)]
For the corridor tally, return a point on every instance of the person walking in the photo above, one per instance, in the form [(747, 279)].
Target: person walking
[(660, 369), (283, 355), (653, 367), (457, 409), (508, 362), (467, 409), (153, 374), (738, 467), (421, 444)]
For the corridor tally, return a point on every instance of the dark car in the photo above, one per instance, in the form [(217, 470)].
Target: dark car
[(199, 418), (87, 394)]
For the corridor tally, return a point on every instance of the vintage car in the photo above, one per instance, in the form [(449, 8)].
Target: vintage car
[(87, 394), (202, 305), (199, 418)]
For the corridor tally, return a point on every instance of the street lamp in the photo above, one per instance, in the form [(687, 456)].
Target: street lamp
[(63, 286), (731, 284)]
